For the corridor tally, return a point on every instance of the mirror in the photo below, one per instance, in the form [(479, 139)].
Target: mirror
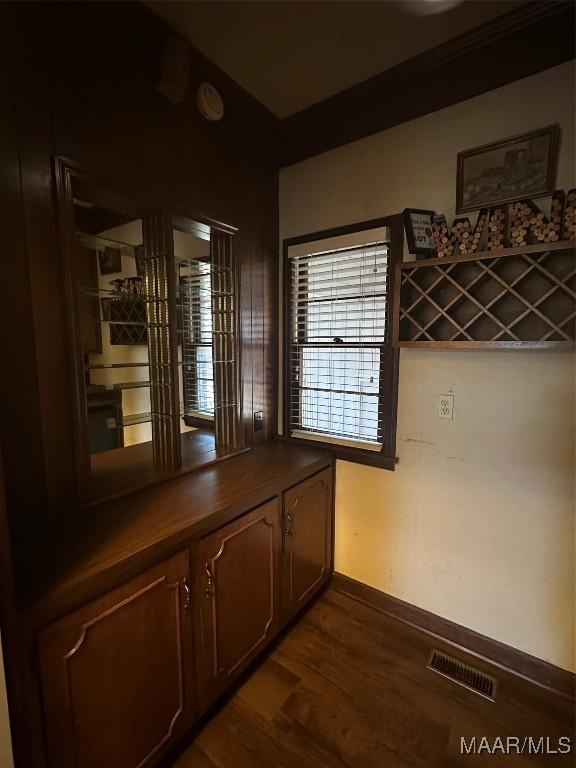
[(152, 305), (112, 336), (206, 339)]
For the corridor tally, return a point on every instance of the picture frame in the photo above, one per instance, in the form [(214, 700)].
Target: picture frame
[(419, 234), (110, 261), (522, 166)]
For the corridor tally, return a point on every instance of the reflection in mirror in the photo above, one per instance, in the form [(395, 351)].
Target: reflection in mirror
[(111, 333), (153, 323), (206, 340)]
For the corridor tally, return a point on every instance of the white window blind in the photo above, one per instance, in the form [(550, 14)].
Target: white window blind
[(338, 304), (196, 307)]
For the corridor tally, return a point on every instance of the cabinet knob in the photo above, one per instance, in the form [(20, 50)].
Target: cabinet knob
[(289, 518), (209, 591), (186, 586)]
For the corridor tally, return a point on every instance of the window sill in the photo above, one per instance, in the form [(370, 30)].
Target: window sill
[(344, 453)]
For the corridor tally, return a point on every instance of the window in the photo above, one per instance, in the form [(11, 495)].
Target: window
[(341, 367), (197, 331)]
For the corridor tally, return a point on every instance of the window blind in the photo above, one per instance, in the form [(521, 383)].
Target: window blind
[(338, 318), (196, 308)]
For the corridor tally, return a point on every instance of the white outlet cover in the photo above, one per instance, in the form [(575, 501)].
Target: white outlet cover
[(445, 407)]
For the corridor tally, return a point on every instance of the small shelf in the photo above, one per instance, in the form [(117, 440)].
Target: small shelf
[(120, 385), (560, 245), (131, 420), (514, 298), (107, 366)]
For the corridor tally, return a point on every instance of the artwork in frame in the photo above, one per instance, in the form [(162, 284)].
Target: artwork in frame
[(419, 235), (518, 167), (110, 261)]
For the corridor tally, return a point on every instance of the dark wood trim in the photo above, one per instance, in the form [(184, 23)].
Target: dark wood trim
[(342, 452), (11, 647), (186, 223), (527, 40), (541, 345), (520, 663), (560, 245), (389, 357)]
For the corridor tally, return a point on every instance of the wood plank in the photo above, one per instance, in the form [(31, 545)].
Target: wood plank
[(524, 664), (348, 687), (559, 345), (114, 540), (562, 245)]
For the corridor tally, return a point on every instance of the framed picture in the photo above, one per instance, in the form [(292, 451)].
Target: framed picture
[(522, 166), (419, 235), (110, 261)]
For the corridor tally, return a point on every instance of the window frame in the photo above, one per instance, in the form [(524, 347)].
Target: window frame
[(389, 352)]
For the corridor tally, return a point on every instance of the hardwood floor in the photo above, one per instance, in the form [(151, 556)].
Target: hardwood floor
[(348, 687)]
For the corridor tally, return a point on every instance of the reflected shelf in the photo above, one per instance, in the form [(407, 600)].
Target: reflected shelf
[(95, 241), (119, 385), (131, 420), (105, 366)]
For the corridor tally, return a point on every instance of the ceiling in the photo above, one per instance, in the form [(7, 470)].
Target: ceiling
[(291, 54)]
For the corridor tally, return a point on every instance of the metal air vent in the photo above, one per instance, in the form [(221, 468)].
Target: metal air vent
[(461, 673)]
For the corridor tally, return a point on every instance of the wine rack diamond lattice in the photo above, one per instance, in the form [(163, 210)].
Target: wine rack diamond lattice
[(518, 296)]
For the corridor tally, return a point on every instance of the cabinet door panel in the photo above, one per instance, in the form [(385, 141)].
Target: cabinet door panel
[(116, 674), (238, 592), (308, 514)]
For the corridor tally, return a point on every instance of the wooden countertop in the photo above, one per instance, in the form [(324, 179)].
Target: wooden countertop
[(116, 540)]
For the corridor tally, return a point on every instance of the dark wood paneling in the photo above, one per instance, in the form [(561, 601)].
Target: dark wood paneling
[(20, 415), (83, 78), (237, 594), (117, 675), (519, 662), (307, 523), (532, 38)]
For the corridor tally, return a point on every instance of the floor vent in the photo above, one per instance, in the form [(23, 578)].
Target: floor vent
[(461, 673)]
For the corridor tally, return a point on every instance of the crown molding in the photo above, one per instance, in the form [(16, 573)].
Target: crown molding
[(534, 37)]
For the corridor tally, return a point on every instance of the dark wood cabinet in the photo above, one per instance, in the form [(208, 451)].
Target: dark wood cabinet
[(127, 674), (117, 675), (237, 592), (308, 549)]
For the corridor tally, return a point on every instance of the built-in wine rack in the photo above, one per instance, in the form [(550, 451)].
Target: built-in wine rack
[(517, 297)]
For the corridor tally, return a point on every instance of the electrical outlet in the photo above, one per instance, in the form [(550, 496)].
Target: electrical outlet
[(445, 406), (258, 421)]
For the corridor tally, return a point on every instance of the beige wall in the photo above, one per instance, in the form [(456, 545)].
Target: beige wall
[(5, 742), (477, 522)]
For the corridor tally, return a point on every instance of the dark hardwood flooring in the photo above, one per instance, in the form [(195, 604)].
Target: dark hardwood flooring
[(348, 687)]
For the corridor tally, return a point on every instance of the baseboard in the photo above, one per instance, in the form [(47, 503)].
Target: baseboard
[(537, 671)]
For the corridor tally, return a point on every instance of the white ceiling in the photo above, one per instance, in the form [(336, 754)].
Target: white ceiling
[(290, 54)]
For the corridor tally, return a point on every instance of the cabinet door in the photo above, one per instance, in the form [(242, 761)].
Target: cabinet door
[(238, 591), (116, 674), (308, 548)]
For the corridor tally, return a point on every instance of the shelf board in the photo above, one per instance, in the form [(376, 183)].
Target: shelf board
[(560, 245), (109, 366), (559, 345)]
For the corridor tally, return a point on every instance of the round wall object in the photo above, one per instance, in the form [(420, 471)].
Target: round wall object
[(210, 102)]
